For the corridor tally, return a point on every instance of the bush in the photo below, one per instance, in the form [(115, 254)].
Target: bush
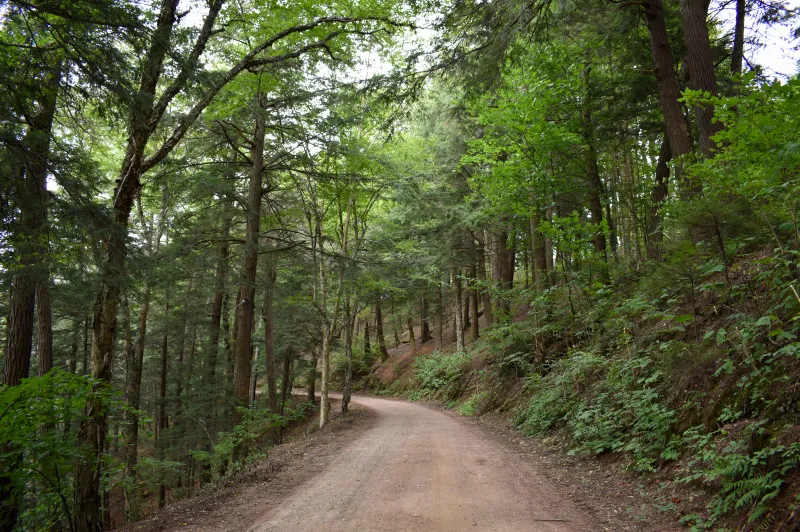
[(471, 406), (39, 446), (247, 441), (439, 371), (606, 405)]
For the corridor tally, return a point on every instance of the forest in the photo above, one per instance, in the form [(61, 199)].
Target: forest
[(583, 214)]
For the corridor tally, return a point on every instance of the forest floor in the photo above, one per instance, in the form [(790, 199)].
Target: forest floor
[(394, 465)]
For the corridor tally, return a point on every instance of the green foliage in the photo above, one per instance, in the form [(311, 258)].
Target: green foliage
[(39, 447), (440, 372), (472, 406), (247, 441), (744, 479)]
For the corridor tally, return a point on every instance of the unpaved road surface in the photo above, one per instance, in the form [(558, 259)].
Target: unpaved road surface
[(396, 466), (419, 469)]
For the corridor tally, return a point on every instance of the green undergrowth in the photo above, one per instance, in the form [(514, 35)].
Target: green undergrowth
[(687, 371)]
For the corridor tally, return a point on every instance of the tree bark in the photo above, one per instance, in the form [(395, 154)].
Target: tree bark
[(163, 421), (473, 297), (505, 256), (425, 327), (465, 321), (285, 377), (330, 323), (668, 88), (269, 332), (348, 354), (311, 379), (72, 365), (655, 233), (20, 329), (220, 277), (593, 180), (459, 314), (85, 364), (133, 384), (472, 290), (379, 330), (737, 54), (412, 341), (701, 68), (44, 326), (485, 296), (93, 428), (367, 348), (539, 247), (245, 305), (439, 316), (31, 276)]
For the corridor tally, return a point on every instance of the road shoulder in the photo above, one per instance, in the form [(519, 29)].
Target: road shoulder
[(241, 503)]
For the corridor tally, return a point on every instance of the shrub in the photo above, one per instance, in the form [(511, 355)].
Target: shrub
[(437, 371), (39, 446)]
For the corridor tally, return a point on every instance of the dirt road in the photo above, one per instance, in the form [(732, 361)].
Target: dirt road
[(419, 469)]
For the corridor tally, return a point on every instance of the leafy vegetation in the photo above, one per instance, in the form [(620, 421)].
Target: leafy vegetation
[(584, 214)]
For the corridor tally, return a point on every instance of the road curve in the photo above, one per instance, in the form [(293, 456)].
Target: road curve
[(419, 469)]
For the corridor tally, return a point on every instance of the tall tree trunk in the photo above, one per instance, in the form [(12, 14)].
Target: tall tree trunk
[(311, 379), (133, 385), (367, 348), (30, 247), (269, 332), (458, 312), (44, 326), (227, 348), (253, 381), (184, 367), (655, 233), (737, 54), (330, 325), (596, 202), (285, 386), (93, 427), (425, 327), (217, 300), (72, 365), (548, 244), (668, 88), (20, 331), (473, 304), (485, 296), (412, 341), (348, 354), (163, 422), (85, 364), (594, 182), (539, 247), (439, 316), (245, 306), (285, 377), (37, 166), (379, 330), (505, 262), (465, 321), (472, 290), (701, 68)]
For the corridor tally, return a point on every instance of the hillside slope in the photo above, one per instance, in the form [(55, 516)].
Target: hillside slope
[(684, 378)]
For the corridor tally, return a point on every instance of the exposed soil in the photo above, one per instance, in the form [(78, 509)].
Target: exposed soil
[(394, 465), (240, 503), (599, 484)]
